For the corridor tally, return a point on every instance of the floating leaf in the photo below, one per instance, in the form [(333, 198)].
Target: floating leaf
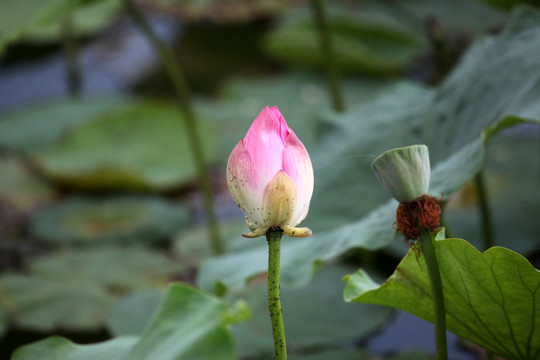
[(20, 188), (314, 315), (143, 145), (37, 126), (490, 297), (130, 315), (75, 289), (114, 219), (88, 18), (408, 118), (254, 337), (360, 43), (18, 15), (188, 325), (45, 304), (59, 348)]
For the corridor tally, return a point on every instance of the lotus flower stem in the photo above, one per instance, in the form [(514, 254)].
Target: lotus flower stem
[(73, 71), (332, 70), (183, 95), (426, 242), (274, 300), (485, 213)]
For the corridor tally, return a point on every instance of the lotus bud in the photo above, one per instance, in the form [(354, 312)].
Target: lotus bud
[(404, 172), (270, 176)]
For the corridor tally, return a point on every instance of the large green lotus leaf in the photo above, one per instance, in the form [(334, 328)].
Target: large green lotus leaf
[(490, 298), (18, 15), (143, 145), (188, 325), (483, 89), (465, 16), (117, 268), (346, 189), (37, 126), (511, 179), (20, 188), (44, 304), (233, 11), (360, 43), (88, 18), (75, 289), (301, 98), (59, 348), (112, 219), (314, 315), (130, 314)]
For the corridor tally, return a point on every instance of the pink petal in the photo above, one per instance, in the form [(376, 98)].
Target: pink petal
[(264, 144), (239, 172), (297, 164), (285, 131)]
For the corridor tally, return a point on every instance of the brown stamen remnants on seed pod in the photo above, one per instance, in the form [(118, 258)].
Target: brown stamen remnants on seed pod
[(421, 214)]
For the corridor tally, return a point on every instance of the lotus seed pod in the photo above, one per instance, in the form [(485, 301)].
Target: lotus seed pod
[(404, 172)]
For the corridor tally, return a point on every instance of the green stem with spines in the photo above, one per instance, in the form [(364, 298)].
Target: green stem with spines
[(274, 299), (183, 95), (327, 53), (439, 314)]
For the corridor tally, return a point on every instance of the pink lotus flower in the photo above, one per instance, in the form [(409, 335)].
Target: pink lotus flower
[(270, 176)]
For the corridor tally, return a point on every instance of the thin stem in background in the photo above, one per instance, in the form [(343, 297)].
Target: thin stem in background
[(332, 71), (274, 300), (71, 52), (183, 95), (437, 38), (439, 315), (485, 212)]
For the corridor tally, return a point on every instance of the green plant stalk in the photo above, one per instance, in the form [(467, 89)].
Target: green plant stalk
[(437, 38), (332, 71), (183, 95), (487, 222), (485, 213), (274, 300), (73, 71), (439, 314)]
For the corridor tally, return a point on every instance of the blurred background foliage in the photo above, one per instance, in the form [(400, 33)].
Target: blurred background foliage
[(99, 199)]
